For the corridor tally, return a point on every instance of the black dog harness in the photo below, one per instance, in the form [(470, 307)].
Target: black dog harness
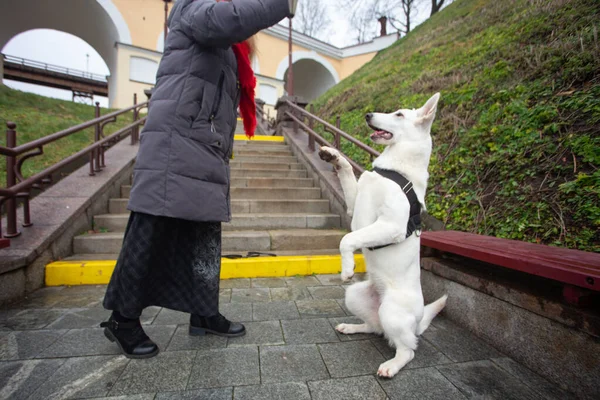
[(414, 220)]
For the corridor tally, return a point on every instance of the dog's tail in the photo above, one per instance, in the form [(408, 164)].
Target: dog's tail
[(431, 310)]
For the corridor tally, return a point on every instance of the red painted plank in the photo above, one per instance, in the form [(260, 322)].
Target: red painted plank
[(569, 266)]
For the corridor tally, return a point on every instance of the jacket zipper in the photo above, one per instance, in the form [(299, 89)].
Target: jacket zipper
[(217, 102)]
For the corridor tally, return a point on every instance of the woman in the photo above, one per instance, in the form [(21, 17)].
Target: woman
[(171, 252)]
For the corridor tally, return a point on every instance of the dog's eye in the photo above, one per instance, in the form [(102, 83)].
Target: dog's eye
[(399, 114)]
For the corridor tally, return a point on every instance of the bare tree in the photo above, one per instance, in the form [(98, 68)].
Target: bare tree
[(363, 15), (401, 21), (436, 5), (312, 18)]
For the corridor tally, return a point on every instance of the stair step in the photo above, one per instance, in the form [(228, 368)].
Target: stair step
[(279, 206), (265, 165), (265, 159), (118, 222), (262, 193), (286, 240), (252, 183), (247, 206), (267, 173), (261, 152), (272, 182), (257, 144), (279, 253), (275, 193)]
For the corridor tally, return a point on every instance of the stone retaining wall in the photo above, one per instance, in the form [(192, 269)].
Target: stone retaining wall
[(59, 213)]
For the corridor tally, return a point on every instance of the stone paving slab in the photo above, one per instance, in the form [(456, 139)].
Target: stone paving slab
[(276, 391), (51, 347), (225, 367), (275, 311), (304, 331), (358, 388)]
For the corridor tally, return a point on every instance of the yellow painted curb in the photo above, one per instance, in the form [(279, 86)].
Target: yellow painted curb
[(259, 138), (73, 273)]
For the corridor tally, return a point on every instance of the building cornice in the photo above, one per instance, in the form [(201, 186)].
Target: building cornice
[(375, 45)]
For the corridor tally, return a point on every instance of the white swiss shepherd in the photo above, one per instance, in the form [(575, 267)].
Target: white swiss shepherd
[(390, 302)]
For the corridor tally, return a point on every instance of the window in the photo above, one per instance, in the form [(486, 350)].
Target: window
[(268, 94), (142, 70)]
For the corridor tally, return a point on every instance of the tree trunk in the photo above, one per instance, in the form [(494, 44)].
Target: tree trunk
[(436, 5)]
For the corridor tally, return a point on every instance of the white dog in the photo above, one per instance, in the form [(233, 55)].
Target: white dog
[(390, 302)]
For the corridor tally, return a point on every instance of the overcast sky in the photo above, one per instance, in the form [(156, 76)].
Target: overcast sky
[(59, 48)]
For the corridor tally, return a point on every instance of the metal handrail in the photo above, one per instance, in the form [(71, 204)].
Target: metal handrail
[(265, 117), (54, 68), (313, 136), (19, 187), (17, 151)]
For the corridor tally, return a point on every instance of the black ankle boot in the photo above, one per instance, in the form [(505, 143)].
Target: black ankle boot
[(217, 325), (130, 337)]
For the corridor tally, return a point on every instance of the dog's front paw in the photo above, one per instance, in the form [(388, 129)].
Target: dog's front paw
[(346, 329), (347, 276), (388, 369), (330, 155)]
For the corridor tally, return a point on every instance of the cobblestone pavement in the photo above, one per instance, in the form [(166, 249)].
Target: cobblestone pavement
[(52, 348)]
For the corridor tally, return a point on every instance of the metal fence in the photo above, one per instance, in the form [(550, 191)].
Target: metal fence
[(18, 187), (22, 62), (298, 115)]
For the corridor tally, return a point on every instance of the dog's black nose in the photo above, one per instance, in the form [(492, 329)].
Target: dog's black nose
[(369, 116)]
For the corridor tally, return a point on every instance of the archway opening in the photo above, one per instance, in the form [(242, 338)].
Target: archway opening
[(56, 49), (97, 22), (311, 79)]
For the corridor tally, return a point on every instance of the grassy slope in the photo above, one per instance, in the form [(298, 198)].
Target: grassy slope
[(517, 136), (38, 116)]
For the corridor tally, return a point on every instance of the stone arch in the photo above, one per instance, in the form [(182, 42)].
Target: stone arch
[(97, 22), (313, 74)]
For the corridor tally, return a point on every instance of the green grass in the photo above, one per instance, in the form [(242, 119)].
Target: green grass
[(517, 135), (38, 116)]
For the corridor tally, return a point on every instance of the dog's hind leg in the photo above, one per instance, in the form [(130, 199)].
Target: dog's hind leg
[(345, 174), (363, 301), (399, 327)]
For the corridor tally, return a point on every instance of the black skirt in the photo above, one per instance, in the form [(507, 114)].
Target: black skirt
[(167, 262)]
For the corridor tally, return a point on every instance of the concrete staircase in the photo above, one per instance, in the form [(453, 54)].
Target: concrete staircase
[(276, 208)]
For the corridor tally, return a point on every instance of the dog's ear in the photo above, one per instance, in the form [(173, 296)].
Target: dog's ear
[(426, 113)]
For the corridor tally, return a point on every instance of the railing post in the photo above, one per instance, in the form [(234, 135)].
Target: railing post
[(295, 114), (11, 180), (311, 125), (338, 123), (97, 138), (134, 131), (100, 135)]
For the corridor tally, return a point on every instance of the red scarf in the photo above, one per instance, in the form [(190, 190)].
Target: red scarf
[(247, 87)]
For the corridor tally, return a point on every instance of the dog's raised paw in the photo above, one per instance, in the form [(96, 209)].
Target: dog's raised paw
[(328, 154)]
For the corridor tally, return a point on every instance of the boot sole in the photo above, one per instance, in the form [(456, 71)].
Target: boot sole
[(109, 335), (195, 331)]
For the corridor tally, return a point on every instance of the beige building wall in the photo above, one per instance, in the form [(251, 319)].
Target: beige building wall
[(351, 64), (145, 21), (128, 83)]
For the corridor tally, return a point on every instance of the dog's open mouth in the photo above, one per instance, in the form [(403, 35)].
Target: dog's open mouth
[(379, 134)]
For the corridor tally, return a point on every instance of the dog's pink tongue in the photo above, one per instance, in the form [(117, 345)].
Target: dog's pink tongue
[(377, 133)]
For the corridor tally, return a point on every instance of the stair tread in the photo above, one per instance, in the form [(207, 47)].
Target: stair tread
[(242, 215), (281, 253), (248, 233), (280, 200)]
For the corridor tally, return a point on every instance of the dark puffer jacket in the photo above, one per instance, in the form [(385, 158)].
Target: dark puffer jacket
[(182, 169)]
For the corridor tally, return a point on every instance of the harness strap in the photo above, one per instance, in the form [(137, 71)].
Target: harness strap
[(414, 220)]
